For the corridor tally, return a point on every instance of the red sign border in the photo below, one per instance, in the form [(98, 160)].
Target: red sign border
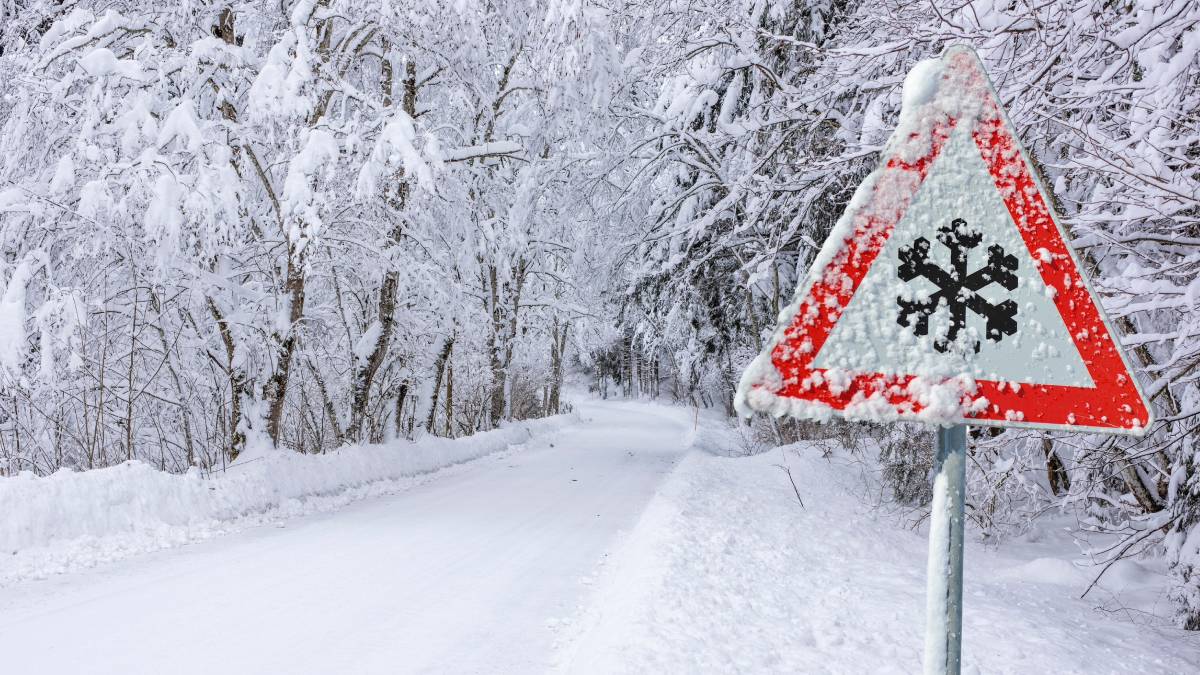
[(1115, 405)]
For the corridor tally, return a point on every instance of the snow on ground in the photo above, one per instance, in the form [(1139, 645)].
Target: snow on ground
[(470, 572), (603, 547), (727, 573), (71, 520)]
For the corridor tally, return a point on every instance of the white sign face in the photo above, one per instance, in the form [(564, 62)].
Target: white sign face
[(947, 292), (868, 339)]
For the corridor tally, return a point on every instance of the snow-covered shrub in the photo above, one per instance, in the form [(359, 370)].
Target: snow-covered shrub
[(1183, 542), (906, 460)]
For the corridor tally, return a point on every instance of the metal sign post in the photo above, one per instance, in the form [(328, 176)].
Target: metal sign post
[(943, 601)]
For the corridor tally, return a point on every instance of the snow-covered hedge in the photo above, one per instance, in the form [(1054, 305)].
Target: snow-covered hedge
[(73, 519)]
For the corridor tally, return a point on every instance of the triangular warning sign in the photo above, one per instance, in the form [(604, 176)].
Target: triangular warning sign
[(946, 291)]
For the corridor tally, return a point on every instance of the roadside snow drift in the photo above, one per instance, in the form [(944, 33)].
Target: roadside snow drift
[(70, 520), (727, 573)]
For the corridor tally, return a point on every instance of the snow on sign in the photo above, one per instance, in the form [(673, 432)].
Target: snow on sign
[(946, 291)]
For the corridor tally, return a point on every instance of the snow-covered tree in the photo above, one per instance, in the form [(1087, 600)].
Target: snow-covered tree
[(233, 226)]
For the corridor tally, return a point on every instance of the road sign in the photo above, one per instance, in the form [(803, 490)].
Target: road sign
[(947, 292)]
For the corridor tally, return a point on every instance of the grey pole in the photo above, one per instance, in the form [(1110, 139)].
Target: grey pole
[(943, 601)]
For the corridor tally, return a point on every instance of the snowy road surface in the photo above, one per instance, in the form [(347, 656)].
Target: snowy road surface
[(465, 574)]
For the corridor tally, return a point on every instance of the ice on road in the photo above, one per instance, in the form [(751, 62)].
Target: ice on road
[(467, 573)]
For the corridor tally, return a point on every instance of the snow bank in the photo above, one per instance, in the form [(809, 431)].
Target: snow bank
[(726, 572), (71, 520)]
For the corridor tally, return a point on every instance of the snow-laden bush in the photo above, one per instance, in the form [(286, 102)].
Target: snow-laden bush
[(906, 459)]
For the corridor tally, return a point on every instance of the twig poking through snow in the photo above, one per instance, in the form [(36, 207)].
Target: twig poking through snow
[(788, 470)]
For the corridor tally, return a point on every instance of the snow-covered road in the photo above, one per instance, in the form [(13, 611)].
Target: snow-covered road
[(598, 548), (466, 573)]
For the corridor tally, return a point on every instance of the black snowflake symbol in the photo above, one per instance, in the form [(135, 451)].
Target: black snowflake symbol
[(956, 287)]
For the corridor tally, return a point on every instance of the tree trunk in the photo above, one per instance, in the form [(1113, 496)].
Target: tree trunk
[(1060, 481), (237, 383), (396, 198), (439, 370), (327, 402), (496, 401), (450, 393), (558, 343), (129, 380), (400, 398), (1141, 493), (275, 391), (364, 374)]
